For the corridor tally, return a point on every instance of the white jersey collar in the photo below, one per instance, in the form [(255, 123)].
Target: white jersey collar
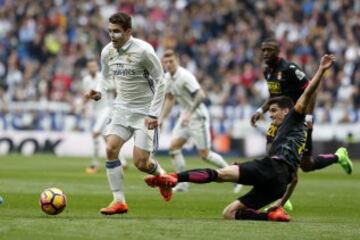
[(176, 74), (127, 44)]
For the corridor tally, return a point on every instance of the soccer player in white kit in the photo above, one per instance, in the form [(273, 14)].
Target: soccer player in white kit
[(138, 78), (194, 120), (100, 111)]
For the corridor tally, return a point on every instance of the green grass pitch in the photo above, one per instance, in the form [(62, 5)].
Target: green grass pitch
[(326, 205)]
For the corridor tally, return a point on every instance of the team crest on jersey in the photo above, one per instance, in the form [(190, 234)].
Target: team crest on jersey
[(274, 87), (128, 58), (112, 54)]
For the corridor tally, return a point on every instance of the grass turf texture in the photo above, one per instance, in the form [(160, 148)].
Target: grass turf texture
[(326, 205)]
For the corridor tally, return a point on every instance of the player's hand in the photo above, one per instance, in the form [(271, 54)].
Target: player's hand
[(254, 118), (185, 119), (327, 61), (151, 122), (160, 123), (92, 94), (309, 121)]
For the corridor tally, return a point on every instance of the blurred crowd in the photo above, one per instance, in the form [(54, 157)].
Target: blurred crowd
[(44, 46)]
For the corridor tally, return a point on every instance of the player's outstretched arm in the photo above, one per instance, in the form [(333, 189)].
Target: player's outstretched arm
[(259, 112), (289, 190), (303, 102)]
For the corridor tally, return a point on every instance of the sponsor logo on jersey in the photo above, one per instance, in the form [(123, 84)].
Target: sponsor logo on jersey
[(299, 74), (274, 87), (120, 70)]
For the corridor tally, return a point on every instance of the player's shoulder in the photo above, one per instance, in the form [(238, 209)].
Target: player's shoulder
[(290, 65), (142, 45), (86, 78), (106, 50), (185, 74)]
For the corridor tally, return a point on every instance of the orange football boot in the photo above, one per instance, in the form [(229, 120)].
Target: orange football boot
[(115, 208), (278, 215), (91, 170)]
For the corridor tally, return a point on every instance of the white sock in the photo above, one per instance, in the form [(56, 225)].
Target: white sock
[(157, 170), (95, 160), (115, 176), (216, 159), (122, 159), (178, 160)]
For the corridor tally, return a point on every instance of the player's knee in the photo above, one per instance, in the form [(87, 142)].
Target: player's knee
[(203, 153), (228, 213), (112, 151), (306, 166)]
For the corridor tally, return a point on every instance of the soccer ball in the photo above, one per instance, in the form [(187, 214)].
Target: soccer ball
[(52, 201)]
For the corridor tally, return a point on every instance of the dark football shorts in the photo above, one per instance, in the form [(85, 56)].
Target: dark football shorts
[(269, 178)]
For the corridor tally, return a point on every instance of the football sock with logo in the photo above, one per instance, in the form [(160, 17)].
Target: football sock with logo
[(154, 168), (198, 176), (324, 160), (115, 177)]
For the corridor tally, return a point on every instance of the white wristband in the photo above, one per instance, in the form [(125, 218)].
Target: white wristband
[(260, 110), (309, 118)]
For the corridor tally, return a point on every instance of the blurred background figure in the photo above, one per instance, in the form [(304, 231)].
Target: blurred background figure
[(44, 47), (99, 111)]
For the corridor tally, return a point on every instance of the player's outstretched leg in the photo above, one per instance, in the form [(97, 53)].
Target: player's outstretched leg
[(178, 161), (344, 160), (195, 176)]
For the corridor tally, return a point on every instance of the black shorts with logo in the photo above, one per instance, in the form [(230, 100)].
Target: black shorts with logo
[(269, 178)]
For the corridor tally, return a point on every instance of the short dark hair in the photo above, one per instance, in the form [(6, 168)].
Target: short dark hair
[(122, 19), (283, 102), (271, 41), (169, 53)]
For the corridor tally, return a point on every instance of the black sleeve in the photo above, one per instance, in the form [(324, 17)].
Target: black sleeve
[(296, 117), (297, 76)]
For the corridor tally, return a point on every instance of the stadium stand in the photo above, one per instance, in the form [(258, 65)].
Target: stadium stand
[(44, 46)]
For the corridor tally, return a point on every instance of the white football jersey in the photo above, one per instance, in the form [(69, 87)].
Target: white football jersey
[(89, 82), (182, 85), (138, 77)]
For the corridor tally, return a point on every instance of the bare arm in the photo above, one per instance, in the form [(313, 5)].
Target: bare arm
[(261, 110), (290, 189), (304, 100), (310, 108), (168, 104)]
